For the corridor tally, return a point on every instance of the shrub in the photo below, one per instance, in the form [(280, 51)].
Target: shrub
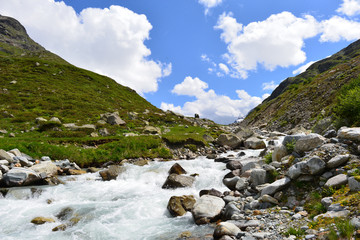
[(268, 158), (290, 146)]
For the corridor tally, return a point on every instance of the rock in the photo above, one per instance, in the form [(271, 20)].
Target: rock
[(338, 161), (104, 132), (327, 201), (152, 130), (231, 182), (4, 162), (92, 170), (65, 213), (292, 138), (177, 169), (16, 152), (212, 192), (354, 184), (336, 181), (61, 227), (230, 211), (55, 120), (4, 168), (330, 134), (234, 164), (230, 140), (315, 166), (243, 224), (178, 181), (23, 161), (331, 214), (111, 172), (296, 170), (113, 118), (226, 229), (335, 207), (241, 184), (75, 172), (5, 156), (276, 186), (355, 222), (88, 127), (349, 133), (47, 167), (45, 158), (257, 177), (208, 138), (308, 142), (42, 220), (40, 120), (254, 143), (250, 165), (207, 209), (178, 206), (269, 199), (20, 177), (278, 153)]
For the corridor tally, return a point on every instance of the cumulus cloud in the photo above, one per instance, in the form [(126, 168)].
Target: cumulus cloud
[(109, 41), (349, 7), (269, 86), (276, 41), (224, 68), (338, 28), (208, 104), (210, 4)]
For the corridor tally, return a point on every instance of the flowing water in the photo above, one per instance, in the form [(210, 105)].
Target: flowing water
[(131, 207)]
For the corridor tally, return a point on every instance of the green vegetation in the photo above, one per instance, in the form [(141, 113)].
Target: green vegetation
[(290, 146), (348, 106), (313, 206), (295, 232), (268, 158), (345, 228)]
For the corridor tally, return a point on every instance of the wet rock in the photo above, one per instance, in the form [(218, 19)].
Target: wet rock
[(178, 206), (47, 167), (337, 181), (177, 169), (226, 229), (207, 209), (111, 172), (65, 213), (354, 184), (276, 186), (349, 133), (308, 142), (212, 192), (178, 181), (338, 161), (61, 227), (42, 220), (20, 177), (254, 143), (75, 172), (233, 165), (230, 140)]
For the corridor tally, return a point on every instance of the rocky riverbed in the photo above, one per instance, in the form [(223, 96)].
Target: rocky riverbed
[(264, 185)]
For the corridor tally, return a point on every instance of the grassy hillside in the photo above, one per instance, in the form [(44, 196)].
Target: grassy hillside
[(312, 96), (37, 83)]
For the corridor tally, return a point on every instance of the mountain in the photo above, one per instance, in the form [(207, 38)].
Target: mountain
[(37, 83), (312, 98)]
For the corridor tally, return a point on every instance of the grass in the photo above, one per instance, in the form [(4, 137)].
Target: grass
[(268, 158), (295, 232)]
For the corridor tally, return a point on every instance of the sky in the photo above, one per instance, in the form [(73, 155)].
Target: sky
[(216, 58)]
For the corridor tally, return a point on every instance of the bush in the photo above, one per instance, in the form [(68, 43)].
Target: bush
[(290, 146), (268, 158)]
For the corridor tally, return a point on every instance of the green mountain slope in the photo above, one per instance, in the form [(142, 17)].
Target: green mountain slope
[(311, 97), (36, 83)]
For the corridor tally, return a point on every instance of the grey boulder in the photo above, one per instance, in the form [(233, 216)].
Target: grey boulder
[(20, 177), (207, 209)]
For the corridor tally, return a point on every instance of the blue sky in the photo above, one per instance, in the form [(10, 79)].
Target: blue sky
[(217, 58)]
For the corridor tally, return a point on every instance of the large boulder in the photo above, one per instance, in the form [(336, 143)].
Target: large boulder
[(278, 153), (234, 164), (349, 133), (254, 143), (177, 169), (178, 181), (230, 140), (292, 139), (47, 167), (312, 166), (257, 177), (178, 206), (276, 186), (231, 182), (112, 118), (111, 172), (308, 142), (337, 181), (207, 209), (20, 177), (152, 130), (338, 161)]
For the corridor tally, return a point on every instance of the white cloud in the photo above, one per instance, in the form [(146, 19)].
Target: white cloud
[(338, 28), (269, 86), (224, 68), (276, 41), (208, 104), (303, 68), (349, 7), (210, 4), (109, 41)]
